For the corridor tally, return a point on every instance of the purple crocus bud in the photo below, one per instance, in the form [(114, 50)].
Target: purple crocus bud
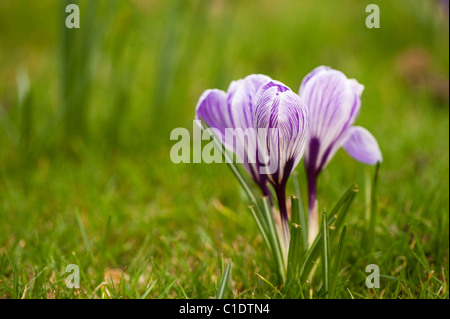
[(231, 113), (334, 102), (280, 118)]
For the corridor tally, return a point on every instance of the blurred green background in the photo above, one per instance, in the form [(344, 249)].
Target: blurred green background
[(85, 120)]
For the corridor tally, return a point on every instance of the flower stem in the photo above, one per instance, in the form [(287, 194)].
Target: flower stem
[(313, 228), (281, 197), (312, 188), (266, 192)]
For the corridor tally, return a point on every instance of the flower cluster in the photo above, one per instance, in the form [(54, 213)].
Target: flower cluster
[(281, 127)]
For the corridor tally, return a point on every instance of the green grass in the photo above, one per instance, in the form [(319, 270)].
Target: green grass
[(85, 172)]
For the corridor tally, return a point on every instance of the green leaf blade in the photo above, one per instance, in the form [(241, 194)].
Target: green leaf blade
[(224, 282)]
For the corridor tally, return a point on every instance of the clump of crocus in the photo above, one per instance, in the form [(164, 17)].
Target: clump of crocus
[(281, 122), (334, 102), (277, 122)]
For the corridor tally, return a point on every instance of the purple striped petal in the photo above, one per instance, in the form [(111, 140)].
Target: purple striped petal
[(241, 95), (212, 108), (311, 74), (232, 112), (241, 103), (362, 146), (280, 118), (334, 103)]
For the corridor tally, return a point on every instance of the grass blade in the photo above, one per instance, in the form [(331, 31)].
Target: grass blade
[(260, 227), (224, 281), (373, 211), (336, 264), (336, 216), (301, 211), (270, 284), (340, 210), (274, 239), (83, 234), (166, 290), (149, 289), (296, 247), (325, 254)]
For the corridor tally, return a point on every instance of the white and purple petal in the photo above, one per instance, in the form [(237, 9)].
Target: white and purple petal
[(241, 103), (363, 146), (280, 119), (212, 108), (232, 112), (241, 98), (334, 103)]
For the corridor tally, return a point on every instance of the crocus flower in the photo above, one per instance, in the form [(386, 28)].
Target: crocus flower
[(280, 119), (231, 110), (277, 118), (334, 102)]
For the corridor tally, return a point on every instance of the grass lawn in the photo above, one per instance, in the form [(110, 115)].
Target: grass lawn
[(85, 121)]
